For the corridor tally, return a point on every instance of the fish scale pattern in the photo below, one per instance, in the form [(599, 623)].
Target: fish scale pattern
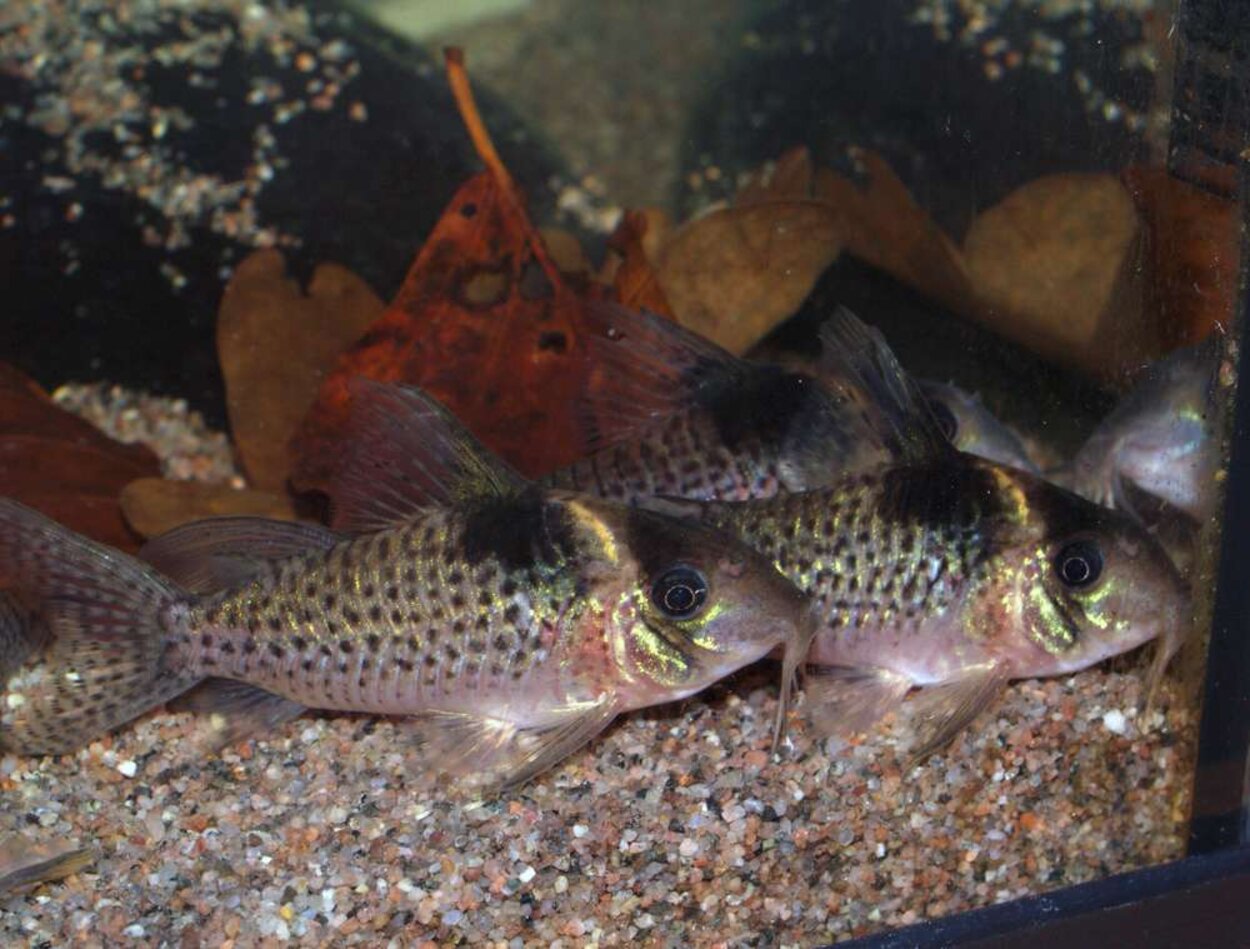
[(865, 568), (387, 620), (685, 456)]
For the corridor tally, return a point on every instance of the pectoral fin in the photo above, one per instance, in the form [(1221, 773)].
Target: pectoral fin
[(502, 752), (844, 699), (237, 711), (941, 711)]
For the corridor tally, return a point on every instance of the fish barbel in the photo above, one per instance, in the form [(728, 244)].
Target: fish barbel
[(945, 571), (513, 623)]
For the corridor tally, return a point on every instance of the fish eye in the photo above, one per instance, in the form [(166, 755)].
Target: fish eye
[(679, 593), (1079, 564), (945, 419)]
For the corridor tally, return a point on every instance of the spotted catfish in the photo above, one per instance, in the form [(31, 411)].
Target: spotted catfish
[(1160, 440), (669, 412), (948, 572), (513, 624)]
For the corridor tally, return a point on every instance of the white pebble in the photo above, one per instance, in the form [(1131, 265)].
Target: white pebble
[(134, 931), (580, 830), (689, 847), (127, 768), (562, 884), (527, 874), (1114, 721)]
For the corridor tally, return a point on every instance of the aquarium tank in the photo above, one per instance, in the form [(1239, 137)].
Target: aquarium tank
[(529, 472)]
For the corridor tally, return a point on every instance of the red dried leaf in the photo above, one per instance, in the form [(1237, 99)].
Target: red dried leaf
[(62, 465), (484, 321)]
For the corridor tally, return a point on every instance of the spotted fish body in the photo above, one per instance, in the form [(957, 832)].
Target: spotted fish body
[(882, 581), (513, 624), (386, 622), (942, 570), (716, 451), (418, 617), (930, 571), (670, 413)]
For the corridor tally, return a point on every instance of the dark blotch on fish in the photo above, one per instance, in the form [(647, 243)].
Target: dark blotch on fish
[(760, 404), (939, 496), (522, 530), (1067, 513)]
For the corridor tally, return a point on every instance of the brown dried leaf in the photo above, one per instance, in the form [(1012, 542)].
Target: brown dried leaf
[(790, 176), (1056, 264), (631, 248), (566, 250), (276, 345), (886, 228), (154, 505), (25, 863), (735, 273)]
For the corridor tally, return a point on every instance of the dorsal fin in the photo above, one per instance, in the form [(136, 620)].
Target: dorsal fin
[(856, 360), (405, 452), (645, 368), (220, 553)]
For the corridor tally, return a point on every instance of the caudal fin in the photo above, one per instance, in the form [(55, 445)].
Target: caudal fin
[(106, 621)]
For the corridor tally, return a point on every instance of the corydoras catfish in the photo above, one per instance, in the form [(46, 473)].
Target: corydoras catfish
[(1160, 437), (972, 428), (669, 412), (946, 571), (513, 623)]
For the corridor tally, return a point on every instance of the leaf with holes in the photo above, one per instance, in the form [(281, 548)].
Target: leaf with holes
[(485, 321)]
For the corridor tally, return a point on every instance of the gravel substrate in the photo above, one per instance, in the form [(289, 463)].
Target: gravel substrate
[(675, 828)]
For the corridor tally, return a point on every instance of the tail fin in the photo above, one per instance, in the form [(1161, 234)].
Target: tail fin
[(107, 621)]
